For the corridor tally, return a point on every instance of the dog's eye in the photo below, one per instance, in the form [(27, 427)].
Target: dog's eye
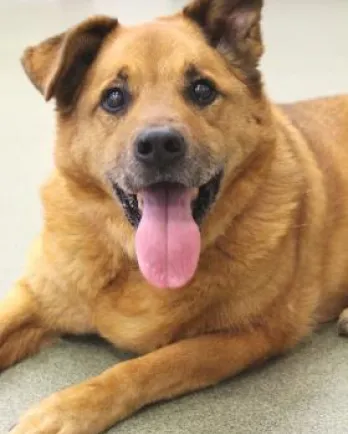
[(203, 92), (114, 100)]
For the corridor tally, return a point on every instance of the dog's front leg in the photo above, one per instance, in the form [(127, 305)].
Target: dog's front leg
[(188, 365), (22, 332)]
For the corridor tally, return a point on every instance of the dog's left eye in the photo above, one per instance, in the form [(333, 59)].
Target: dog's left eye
[(203, 92), (114, 100)]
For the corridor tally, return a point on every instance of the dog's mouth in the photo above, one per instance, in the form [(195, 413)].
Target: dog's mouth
[(167, 217), (202, 199)]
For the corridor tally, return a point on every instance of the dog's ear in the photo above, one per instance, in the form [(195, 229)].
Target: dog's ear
[(231, 26), (57, 65)]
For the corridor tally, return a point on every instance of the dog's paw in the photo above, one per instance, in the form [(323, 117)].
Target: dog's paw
[(343, 323), (72, 411)]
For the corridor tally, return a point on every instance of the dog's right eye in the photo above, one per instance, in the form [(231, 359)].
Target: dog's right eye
[(114, 100), (202, 92)]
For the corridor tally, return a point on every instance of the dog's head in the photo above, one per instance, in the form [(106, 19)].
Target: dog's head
[(161, 116)]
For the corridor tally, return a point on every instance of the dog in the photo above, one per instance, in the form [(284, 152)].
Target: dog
[(188, 219)]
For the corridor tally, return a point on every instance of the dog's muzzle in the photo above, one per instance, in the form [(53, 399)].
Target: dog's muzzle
[(166, 192)]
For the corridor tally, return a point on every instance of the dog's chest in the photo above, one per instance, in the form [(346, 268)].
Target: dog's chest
[(140, 319), (139, 332)]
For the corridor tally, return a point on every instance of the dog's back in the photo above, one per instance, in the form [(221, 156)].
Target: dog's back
[(323, 123)]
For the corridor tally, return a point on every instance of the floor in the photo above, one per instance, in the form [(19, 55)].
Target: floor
[(307, 56)]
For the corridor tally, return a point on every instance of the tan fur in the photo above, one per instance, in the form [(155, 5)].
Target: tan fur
[(274, 260)]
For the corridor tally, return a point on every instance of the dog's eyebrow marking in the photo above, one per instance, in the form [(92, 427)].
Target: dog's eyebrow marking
[(122, 74), (192, 73)]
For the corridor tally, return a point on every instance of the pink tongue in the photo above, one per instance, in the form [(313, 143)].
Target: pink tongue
[(167, 239)]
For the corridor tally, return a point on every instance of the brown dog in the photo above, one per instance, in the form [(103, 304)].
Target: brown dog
[(188, 217)]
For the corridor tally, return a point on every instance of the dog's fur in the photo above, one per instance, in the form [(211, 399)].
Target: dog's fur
[(274, 258)]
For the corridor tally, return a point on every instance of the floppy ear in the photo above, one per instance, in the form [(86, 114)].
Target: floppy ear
[(232, 27), (57, 65)]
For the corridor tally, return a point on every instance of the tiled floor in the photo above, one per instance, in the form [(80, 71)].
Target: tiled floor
[(307, 55)]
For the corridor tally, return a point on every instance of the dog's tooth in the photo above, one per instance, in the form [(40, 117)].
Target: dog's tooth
[(195, 192), (140, 201)]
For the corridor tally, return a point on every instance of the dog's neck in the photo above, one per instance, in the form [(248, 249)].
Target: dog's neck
[(262, 175)]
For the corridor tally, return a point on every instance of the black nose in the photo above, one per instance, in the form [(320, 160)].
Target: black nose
[(159, 146)]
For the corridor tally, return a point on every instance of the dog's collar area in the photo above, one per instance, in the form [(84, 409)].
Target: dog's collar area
[(200, 205)]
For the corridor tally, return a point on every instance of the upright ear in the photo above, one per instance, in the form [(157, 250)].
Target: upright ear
[(232, 27), (57, 65)]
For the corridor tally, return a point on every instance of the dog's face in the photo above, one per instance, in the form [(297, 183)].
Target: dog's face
[(159, 116)]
